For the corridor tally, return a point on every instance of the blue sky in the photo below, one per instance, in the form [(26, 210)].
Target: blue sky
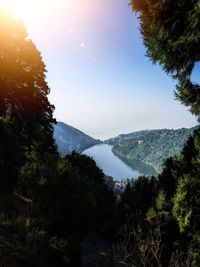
[(100, 80)]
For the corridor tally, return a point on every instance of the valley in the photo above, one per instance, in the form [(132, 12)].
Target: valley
[(127, 155)]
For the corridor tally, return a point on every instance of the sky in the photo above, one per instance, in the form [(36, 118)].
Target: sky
[(101, 81)]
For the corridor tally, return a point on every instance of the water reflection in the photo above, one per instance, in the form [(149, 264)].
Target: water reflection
[(115, 166), (141, 167)]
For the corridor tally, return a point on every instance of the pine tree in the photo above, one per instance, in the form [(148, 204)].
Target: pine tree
[(23, 86), (23, 99), (171, 34)]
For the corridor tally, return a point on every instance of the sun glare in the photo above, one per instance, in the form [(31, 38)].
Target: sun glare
[(21, 9), (17, 8)]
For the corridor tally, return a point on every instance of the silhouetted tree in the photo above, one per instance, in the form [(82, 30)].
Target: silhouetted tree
[(171, 34), (11, 154), (23, 85), (140, 193)]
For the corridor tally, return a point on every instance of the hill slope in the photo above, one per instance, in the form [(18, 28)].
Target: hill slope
[(68, 139), (152, 147)]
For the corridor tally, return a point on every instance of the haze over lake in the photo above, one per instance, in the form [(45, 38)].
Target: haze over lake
[(113, 165)]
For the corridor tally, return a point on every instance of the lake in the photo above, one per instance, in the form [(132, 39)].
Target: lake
[(117, 167)]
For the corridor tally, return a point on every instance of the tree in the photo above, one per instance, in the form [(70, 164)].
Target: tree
[(171, 34), (75, 202), (133, 196), (187, 198), (10, 154), (23, 85), (23, 94), (184, 201)]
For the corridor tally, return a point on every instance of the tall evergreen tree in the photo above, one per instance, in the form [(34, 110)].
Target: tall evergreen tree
[(171, 34), (11, 155), (23, 85)]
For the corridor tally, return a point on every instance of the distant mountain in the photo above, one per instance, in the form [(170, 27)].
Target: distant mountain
[(68, 139), (152, 147)]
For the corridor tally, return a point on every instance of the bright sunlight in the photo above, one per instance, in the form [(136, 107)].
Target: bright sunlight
[(21, 9)]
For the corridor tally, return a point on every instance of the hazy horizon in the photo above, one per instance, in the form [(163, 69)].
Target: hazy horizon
[(100, 80), (121, 133)]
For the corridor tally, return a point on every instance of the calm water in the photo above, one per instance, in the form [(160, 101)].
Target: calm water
[(114, 166)]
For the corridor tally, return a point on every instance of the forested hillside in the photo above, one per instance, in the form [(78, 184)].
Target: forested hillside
[(152, 147), (163, 228), (69, 139), (50, 205)]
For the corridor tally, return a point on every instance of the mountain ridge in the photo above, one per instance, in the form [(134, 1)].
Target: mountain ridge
[(152, 147), (69, 138)]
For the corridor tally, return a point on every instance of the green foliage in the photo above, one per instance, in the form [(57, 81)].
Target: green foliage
[(73, 202), (161, 200), (23, 87), (139, 194), (180, 210), (171, 34), (92, 185), (23, 84), (151, 214), (193, 252), (174, 203), (152, 147), (9, 161), (168, 177), (35, 172), (187, 203), (46, 202)]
